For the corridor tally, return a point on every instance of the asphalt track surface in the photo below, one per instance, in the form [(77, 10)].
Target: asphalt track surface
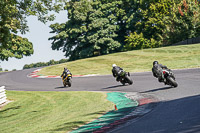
[(178, 109)]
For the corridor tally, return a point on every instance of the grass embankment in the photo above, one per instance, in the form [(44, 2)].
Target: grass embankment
[(44, 112), (175, 57)]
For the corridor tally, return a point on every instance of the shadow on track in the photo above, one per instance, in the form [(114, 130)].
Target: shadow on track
[(115, 86), (159, 89), (61, 87), (177, 116)]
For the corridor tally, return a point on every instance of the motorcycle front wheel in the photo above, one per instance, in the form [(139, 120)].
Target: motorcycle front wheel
[(69, 82), (123, 82), (129, 80), (64, 84), (172, 82)]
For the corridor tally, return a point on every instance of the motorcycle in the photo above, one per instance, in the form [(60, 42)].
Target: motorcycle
[(67, 80), (169, 78), (125, 78)]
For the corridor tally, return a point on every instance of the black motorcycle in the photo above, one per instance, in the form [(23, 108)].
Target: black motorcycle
[(169, 78), (125, 78)]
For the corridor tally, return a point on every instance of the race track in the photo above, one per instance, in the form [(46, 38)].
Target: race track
[(177, 111)]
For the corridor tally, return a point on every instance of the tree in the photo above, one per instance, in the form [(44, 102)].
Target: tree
[(13, 15), (98, 27), (183, 22), (163, 22), (92, 27), (62, 61), (26, 66)]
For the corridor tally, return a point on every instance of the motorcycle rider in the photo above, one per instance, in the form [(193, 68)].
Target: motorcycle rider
[(157, 71), (116, 71), (65, 73)]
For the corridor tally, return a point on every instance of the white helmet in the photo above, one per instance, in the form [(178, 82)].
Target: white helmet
[(114, 65)]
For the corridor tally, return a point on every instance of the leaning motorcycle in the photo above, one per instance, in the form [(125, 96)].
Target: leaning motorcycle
[(125, 78), (67, 80), (169, 78)]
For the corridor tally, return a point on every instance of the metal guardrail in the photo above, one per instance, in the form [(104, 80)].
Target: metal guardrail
[(2, 95), (188, 41)]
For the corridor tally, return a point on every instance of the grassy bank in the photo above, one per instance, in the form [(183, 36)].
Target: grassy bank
[(175, 57), (44, 112)]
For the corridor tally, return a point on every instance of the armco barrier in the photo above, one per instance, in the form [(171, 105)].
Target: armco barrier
[(2, 95), (188, 41)]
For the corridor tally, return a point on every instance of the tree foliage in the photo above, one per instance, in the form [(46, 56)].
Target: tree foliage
[(41, 64), (137, 41), (183, 22), (167, 22), (91, 28), (97, 27), (13, 21)]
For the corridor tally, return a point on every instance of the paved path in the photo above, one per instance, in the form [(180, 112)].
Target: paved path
[(177, 111)]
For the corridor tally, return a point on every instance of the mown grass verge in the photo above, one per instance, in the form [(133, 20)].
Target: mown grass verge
[(44, 112), (175, 57)]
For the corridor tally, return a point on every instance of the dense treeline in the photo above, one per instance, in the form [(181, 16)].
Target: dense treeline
[(41, 64), (98, 27)]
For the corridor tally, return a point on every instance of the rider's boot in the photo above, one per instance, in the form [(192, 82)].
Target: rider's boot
[(118, 79)]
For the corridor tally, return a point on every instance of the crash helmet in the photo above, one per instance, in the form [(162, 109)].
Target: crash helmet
[(155, 62), (114, 65)]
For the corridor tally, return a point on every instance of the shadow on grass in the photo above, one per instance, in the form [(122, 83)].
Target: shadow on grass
[(8, 109), (96, 113), (104, 120), (11, 108), (68, 126), (159, 89), (7, 116)]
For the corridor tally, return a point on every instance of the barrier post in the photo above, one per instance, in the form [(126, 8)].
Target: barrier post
[(2, 95)]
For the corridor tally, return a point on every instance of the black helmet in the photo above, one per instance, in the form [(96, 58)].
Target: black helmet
[(155, 62)]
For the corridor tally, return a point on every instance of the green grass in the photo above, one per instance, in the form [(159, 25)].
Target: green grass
[(44, 112), (175, 57)]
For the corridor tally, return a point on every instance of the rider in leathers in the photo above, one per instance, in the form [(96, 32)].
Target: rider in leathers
[(116, 71), (157, 71), (65, 73)]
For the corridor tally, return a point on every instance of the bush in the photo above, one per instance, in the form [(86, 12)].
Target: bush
[(137, 41)]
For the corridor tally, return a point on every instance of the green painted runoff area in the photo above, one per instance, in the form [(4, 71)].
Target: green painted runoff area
[(124, 106)]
